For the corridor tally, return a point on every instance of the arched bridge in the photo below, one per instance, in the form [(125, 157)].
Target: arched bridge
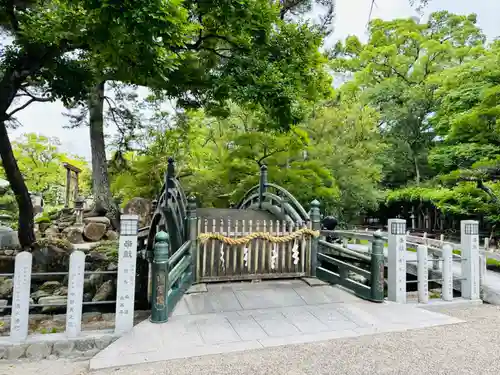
[(268, 235), (194, 253)]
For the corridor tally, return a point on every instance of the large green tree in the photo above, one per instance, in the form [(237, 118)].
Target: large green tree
[(395, 71), (200, 53), (331, 156)]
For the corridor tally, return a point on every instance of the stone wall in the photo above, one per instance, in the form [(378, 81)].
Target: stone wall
[(46, 341), (55, 323)]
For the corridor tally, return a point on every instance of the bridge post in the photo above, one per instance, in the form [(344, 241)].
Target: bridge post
[(161, 285), (315, 225), (169, 177), (396, 267), (377, 268), (192, 230), (469, 241), (262, 184)]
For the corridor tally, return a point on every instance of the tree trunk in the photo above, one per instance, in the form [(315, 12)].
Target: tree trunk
[(103, 202), (26, 232), (9, 85), (417, 169)]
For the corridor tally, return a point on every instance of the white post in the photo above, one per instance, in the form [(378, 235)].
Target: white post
[(447, 285), (345, 242), (482, 268), (21, 297), (486, 244), (469, 241), (423, 274), (396, 272), (75, 294), (127, 254)]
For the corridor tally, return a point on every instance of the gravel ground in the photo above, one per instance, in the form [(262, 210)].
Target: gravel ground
[(469, 348)]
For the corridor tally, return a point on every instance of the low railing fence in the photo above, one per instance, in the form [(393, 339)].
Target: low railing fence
[(171, 276), (125, 287), (424, 256), (362, 273)]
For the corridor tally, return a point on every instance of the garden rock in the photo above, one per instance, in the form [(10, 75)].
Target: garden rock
[(73, 234), (39, 294), (62, 291), (141, 207), (97, 219), (94, 231), (105, 292), (52, 300), (52, 231), (3, 303), (50, 286), (6, 287), (111, 235)]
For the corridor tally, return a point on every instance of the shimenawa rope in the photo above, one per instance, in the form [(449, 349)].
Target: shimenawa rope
[(262, 235)]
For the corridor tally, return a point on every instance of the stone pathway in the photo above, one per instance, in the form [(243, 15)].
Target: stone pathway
[(244, 316)]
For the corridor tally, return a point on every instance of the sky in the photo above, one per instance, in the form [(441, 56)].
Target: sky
[(351, 19)]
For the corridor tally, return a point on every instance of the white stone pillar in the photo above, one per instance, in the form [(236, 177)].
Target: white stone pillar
[(21, 297), (127, 255), (396, 271), (75, 294), (482, 268), (447, 285), (423, 274), (469, 241)]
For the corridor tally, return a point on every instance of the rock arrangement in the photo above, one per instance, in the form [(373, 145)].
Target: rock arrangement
[(58, 236), (63, 225)]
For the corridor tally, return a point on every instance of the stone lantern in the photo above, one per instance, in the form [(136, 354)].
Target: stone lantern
[(79, 202)]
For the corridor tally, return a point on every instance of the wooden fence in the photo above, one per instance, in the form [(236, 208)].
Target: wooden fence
[(258, 258)]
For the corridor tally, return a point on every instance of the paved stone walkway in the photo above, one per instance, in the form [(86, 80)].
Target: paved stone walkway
[(244, 316)]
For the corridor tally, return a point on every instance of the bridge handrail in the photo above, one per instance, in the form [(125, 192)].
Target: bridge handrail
[(292, 200), (433, 246), (254, 192), (342, 249)]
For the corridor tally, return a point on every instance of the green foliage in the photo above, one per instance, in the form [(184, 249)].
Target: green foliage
[(60, 243), (198, 53), (43, 219), (109, 248), (330, 157), (396, 70), (41, 164)]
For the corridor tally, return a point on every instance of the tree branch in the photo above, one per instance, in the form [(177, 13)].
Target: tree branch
[(10, 114)]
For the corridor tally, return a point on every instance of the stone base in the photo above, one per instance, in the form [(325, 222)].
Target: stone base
[(57, 345)]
